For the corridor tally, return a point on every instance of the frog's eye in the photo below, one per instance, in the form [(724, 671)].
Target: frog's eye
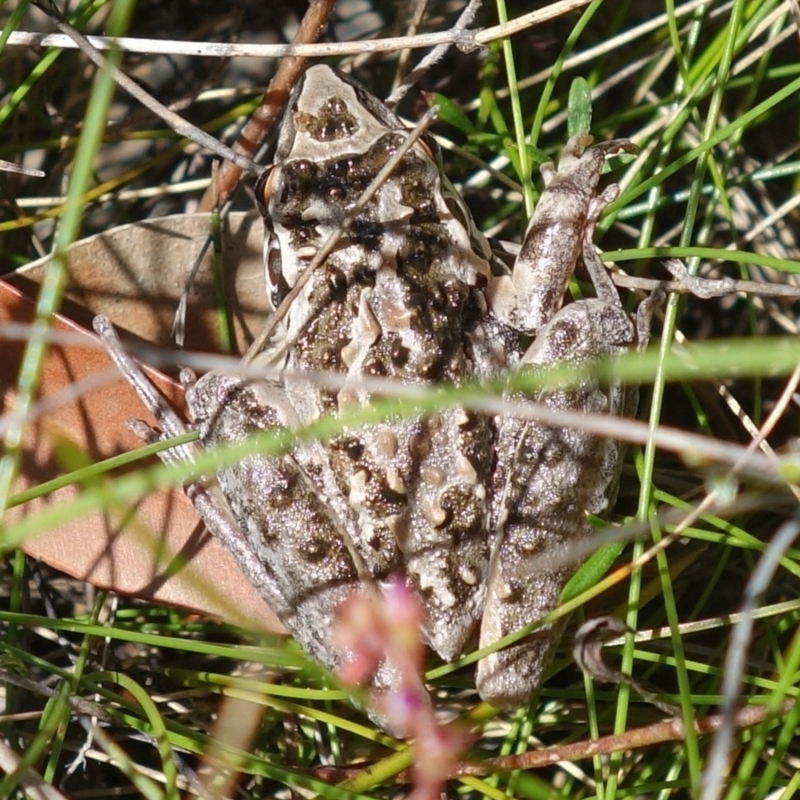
[(432, 149), (263, 190)]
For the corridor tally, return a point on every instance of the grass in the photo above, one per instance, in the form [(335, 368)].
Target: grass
[(711, 96)]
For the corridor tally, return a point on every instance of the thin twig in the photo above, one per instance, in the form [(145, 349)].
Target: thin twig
[(671, 730), (175, 121), (668, 731), (271, 106), (77, 704), (707, 288), (466, 18), (10, 166), (464, 40)]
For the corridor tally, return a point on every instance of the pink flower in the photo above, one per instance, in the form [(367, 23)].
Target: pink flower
[(385, 634)]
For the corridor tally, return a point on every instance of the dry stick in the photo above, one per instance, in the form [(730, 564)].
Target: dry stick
[(175, 121), (416, 17), (331, 242), (671, 730), (10, 166), (77, 704), (714, 287), (460, 28), (683, 283), (255, 131), (464, 40), (272, 103), (34, 785)]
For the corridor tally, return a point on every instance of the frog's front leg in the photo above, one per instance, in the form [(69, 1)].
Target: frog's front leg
[(528, 298), (549, 479)]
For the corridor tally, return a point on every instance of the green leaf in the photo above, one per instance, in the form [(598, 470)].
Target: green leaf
[(592, 571), (452, 114), (537, 155), (579, 116)]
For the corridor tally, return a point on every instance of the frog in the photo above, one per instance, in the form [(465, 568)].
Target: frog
[(459, 504)]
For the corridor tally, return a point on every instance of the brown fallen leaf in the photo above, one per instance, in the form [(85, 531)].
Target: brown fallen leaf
[(133, 551), (135, 274)]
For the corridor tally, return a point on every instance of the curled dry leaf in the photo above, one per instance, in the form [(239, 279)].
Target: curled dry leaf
[(135, 551)]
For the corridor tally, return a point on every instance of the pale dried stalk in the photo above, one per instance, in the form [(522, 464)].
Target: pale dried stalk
[(463, 39)]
